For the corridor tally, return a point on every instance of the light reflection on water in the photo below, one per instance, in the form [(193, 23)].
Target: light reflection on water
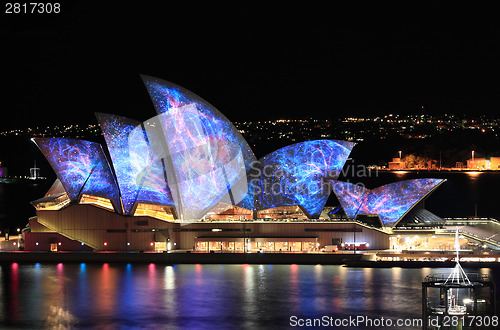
[(201, 296)]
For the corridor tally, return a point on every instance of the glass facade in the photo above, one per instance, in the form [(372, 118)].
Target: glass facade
[(156, 211), (54, 202), (270, 244), (223, 211), (97, 201), (282, 212)]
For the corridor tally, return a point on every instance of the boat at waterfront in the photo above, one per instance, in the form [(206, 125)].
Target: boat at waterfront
[(456, 294)]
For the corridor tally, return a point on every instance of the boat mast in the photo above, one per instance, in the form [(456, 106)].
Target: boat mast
[(458, 274)]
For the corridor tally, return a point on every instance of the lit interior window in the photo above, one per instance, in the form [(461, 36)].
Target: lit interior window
[(155, 211), (223, 211), (52, 203), (282, 212), (102, 202)]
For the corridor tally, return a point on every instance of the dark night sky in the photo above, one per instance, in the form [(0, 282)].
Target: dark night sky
[(250, 62)]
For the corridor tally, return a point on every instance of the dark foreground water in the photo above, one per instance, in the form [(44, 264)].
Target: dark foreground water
[(117, 296)]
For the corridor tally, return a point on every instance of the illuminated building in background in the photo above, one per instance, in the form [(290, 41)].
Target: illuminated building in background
[(495, 163), (478, 164), (397, 164), (187, 179)]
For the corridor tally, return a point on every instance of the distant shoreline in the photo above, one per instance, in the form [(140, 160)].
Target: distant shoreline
[(8, 179), (419, 264), (438, 170)]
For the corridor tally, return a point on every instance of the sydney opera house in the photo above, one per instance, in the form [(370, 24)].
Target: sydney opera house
[(187, 180)]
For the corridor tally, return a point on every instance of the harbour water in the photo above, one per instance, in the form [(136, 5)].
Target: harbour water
[(15, 198), (205, 296), (73, 295)]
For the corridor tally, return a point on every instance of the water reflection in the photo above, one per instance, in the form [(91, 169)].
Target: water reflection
[(82, 296), (104, 291), (294, 288), (473, 175), (13, 301), (249, 288), (56, 311), (202, 296)]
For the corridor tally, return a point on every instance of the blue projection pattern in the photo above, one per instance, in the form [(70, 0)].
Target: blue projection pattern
[(297, 174), (206, 154), (140, 174), (81, 166), (191, 157), (390, 202)]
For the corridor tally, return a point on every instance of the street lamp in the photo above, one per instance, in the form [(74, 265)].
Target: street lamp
[(399, 154), (473, 165)]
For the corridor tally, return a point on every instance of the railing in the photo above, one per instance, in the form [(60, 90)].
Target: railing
[(442, 277), (472, 219), (473, 235)]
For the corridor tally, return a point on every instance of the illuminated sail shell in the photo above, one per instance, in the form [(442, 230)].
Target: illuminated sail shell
[(82, 168), (206, 158), (297, 175), (390, 202), (139, 172)]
